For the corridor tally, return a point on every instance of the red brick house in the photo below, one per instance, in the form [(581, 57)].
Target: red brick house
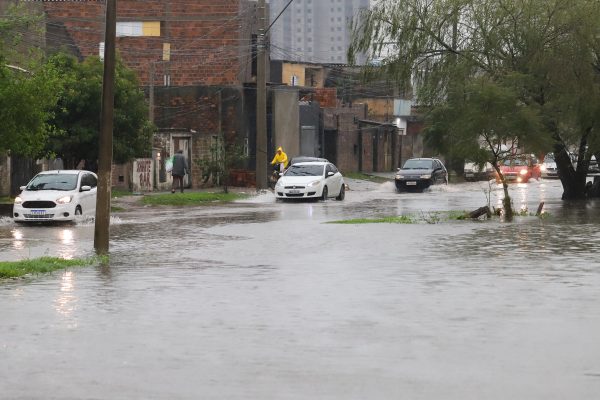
[(193, 58)]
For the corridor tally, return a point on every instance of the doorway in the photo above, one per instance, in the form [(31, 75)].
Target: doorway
[(184, 143)]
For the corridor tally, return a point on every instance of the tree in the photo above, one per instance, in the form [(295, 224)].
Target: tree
[(220, 162), (28, 89), (545, 51), (77, 114), (485, 123)]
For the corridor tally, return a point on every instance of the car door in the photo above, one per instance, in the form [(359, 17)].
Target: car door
[(87, 199), (437, 172), (334, 181)]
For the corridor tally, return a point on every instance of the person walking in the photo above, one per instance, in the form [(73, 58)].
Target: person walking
[(180, 168)]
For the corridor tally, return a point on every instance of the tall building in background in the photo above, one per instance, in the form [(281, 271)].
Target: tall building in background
[(313, 30)]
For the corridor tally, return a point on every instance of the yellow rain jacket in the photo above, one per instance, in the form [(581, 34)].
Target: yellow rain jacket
[(280, 158)]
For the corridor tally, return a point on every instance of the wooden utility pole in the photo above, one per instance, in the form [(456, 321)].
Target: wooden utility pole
[(261, 99), (102, 223)]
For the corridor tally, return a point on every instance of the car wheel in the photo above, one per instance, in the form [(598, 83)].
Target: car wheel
[(342, 194), (78, 210), (325, 193)]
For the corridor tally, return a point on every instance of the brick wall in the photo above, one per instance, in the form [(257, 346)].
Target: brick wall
[(121, 176), (344, 121), (204, 36)]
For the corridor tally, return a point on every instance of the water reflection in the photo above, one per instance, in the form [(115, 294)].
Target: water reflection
[(18, 242), (66, 302)]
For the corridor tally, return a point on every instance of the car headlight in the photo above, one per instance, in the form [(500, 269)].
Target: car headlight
[(426, 176), (399, 176), (313, 183), (18, 200), (279, 183), (523, 172), (64, 200)]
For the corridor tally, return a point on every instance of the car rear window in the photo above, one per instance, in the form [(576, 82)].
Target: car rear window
[(53, 182)]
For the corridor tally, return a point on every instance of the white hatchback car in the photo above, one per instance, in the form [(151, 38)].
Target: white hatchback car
[(57, 196), (316, 180)]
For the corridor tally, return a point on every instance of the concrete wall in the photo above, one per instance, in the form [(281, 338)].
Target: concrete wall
[(143, 175), (286, 122)]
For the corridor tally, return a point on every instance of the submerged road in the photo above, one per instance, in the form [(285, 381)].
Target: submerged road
[(266, 300)]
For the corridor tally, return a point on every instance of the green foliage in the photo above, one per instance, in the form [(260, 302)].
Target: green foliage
[(77, 114), (13, 269), (221, 160), (190, 198), (21, 26), (26, 101), (366, 177), (524, 72)]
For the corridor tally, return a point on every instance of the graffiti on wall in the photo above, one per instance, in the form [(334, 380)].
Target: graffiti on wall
[(142, 174)]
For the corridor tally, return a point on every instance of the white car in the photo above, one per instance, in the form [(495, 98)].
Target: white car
[(57, 196), (316, 180), (548, 167), (473, 172)]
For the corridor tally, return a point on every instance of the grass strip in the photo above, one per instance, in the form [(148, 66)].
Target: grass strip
[(42, 265), (401, 219), (190, 198), (115, 193), (366, 177)]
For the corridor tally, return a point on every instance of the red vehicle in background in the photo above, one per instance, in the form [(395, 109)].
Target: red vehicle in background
[(520, 169)]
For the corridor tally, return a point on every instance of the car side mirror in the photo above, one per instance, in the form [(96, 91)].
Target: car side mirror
[(85, 188), (21, 188), (330, 174)]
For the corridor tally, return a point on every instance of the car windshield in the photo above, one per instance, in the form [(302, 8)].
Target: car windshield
[(53, 182), (515, 162), (305, 170), (418, 164)]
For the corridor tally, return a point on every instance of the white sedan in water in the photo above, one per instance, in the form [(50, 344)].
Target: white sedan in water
[(306, 180), (57, 196)]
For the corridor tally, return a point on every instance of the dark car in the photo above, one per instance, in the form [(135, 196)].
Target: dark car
[(420, 173)]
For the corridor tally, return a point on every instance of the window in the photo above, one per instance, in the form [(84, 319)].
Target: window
[(89, 180), (133, 28)]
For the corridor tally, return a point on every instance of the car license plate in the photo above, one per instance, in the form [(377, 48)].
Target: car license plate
[(294, 191), (411, 183), (38, 212)]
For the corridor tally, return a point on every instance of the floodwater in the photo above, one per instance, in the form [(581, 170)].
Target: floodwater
[(264, 300)]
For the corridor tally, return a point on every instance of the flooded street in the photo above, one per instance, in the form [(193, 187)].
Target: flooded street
[(265, 300)]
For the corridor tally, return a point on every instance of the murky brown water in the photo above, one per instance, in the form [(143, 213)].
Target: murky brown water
[(262, 300)]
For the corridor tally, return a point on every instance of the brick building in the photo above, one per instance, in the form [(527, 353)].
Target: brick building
[(193, 59)]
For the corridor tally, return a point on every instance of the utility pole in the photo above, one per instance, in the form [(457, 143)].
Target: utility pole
[(102, 222), (261, 99)]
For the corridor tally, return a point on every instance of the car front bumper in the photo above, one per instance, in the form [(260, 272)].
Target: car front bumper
[(62, 212), (413, 184), (298, 192)]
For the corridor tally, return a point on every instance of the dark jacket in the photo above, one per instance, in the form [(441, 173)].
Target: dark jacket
[(180, 167)]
